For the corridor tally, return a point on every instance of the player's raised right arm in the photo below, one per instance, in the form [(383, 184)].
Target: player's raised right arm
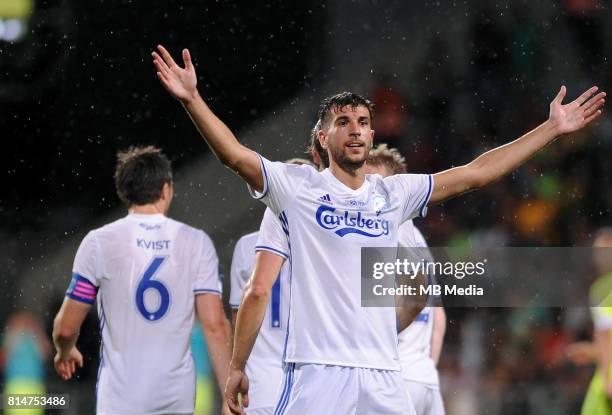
[(181, 83)]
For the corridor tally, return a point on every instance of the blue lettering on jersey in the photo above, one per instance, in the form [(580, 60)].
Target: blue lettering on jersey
[(154, 245), (349, 222)]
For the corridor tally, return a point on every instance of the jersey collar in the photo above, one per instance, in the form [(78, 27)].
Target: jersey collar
[(332, 180)]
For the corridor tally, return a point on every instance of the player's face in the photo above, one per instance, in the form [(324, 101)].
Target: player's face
[(348, 138), (382, 170)]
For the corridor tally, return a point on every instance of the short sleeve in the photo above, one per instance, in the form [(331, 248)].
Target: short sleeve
[(414, 190), (86, 272), (272, 236), (239, 273), (207, 279), (281, 182)]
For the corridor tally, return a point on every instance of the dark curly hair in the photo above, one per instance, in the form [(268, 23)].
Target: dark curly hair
[(140, 175)]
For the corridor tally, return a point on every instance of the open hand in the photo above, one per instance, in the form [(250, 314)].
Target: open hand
[(65, 366), (578, 113), (179, 82)]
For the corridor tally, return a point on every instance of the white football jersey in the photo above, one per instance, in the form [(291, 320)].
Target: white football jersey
[(328, 223), (265, 365), (415, 340), (146, 271)]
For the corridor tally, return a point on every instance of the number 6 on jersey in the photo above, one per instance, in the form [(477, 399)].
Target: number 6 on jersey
[(148, 283)]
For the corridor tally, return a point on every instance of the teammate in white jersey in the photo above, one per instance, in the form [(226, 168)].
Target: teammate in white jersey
[(420, 343), (148, 274), (264, 252), (340, 357)]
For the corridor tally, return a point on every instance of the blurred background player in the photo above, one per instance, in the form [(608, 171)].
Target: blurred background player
[(355, 351), (420, 344), (599, 396), (260, 272), (148, 273), (205, 386), (25, 352)]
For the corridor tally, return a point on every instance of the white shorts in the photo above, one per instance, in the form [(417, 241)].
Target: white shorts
[(340, 390), (427, 400), (260, 411)]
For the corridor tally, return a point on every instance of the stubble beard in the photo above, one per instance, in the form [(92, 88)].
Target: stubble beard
[(345, 163)]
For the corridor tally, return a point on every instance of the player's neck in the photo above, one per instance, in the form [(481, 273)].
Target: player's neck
[(150, 209), (350, 178)]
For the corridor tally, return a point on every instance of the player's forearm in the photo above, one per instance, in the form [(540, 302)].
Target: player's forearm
[(219, 341), (497, 163), (223, 143), (408, 307), (492, 165), (216, 134), (64, 339), (250, 316), (439, 329)]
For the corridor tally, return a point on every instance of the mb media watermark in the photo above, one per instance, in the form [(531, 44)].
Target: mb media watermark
[(427, 290), (481, 277)]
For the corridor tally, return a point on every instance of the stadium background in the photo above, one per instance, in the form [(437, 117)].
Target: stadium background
[(449, 80)]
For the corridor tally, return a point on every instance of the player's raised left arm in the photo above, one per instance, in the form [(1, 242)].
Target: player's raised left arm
[(496, 163), (181, 83), (66, 327)]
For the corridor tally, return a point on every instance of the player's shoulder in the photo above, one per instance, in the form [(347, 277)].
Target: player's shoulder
[(244, 249), (403, 178), (250, 239), (186, 231), (108, 228), (303, 171), (291, 169)]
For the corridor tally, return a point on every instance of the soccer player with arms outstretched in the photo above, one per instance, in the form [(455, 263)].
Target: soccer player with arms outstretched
[(148, 274), (340, 357)]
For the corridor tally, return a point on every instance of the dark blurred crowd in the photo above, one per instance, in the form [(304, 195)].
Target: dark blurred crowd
[(560, 196), (510, 361)]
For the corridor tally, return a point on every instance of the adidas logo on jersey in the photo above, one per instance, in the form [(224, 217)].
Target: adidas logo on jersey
[(325, 198)]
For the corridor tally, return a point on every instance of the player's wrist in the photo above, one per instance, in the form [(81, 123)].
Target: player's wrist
[(237, 365), (190, 98), (552, 128)]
